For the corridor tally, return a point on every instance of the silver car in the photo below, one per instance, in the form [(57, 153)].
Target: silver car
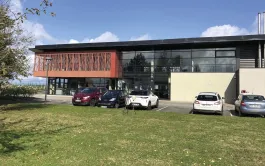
[(250, 104)]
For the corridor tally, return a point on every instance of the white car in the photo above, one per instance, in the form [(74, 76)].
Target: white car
[(142, 99), (208, 102)]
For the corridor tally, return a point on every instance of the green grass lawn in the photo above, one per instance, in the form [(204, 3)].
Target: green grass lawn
[(38, 134)]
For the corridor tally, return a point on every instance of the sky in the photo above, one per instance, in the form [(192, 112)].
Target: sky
[(84, 21)]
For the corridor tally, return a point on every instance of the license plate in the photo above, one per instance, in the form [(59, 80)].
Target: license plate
[(78, 101), (103, 106), (136, 104), (255, 106), (207, 105)]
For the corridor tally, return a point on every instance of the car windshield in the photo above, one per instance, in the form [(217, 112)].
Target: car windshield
[(111, 94), (253, 97), (207, 98), (79, 90), (144, 93), (88, 90)]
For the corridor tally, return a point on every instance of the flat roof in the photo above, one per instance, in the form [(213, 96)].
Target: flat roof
[(149, 43)]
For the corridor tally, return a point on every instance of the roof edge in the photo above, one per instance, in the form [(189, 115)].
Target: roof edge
[(255, 37)]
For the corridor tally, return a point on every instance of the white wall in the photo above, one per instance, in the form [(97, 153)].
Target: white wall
[(252, 80), (185, 86)]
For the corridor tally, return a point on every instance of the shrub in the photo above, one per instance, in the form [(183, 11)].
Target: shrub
[(19, 90)]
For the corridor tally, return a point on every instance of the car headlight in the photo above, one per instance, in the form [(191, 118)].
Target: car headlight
[(113, 99), (87, 97)]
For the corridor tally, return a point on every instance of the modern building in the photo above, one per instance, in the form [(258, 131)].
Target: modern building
[(175, 69)]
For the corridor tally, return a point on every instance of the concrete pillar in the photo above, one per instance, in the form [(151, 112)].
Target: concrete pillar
[(152, 75), (260, 55), (264, 41), (259, 32)]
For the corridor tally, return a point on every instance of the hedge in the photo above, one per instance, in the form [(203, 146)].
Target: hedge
[(19, 90)]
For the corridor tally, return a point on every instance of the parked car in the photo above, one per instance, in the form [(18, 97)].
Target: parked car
[(250, 104), (142, 99), (112, 98), (88, 96), (79, 90), (208, 102)]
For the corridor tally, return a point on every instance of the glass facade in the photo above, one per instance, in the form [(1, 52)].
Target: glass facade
[(68, 86), (151, 69)]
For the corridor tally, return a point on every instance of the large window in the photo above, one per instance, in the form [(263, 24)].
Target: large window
[(181, 61), (144, 69)]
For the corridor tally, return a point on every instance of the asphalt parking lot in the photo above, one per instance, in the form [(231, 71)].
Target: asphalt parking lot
[(164, 106), (186, 108)]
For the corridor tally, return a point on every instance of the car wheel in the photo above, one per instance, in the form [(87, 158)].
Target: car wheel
[(157, 103), (222, 112), (117, 105), (240, 113), (93, 102), (149, 106)]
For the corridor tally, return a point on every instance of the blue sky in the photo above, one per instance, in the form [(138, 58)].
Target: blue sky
[(120, 20), (159, 19)]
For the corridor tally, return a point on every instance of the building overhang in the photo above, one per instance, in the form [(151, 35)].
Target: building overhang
[(148, 44)]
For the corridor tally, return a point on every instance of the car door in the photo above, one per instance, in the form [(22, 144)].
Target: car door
[(122, 98), (152, 98), (220, 99)]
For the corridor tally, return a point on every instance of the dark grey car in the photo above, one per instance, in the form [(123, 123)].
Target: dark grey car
[(247, 104)]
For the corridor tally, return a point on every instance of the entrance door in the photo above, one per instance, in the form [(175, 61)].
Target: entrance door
[(161, 86), (52, 86), (162, 91)]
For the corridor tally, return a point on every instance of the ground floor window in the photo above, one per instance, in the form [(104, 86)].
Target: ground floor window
[(68, 86), (158, 84)]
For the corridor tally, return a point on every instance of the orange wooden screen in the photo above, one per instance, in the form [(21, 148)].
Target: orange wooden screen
[(78, 64)]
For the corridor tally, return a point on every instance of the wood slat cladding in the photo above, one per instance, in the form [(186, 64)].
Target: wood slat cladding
[(77, 64), (74, 62)]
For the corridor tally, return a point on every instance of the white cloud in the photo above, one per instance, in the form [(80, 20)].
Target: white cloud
[(15, 7), (105, 37), (230, 30), (224, 30), (143, 37), (72, 41)]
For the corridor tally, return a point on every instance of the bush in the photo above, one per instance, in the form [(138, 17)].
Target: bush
[(19, 90)]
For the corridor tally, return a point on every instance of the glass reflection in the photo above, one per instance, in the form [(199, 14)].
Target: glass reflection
[(225, 53), (181, 54), (128, 55), (143, 69), (145, 54)]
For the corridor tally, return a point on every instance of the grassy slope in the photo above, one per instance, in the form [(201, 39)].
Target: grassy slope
[(66, 135)]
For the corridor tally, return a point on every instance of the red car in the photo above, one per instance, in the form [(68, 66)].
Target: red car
[(88, 96)]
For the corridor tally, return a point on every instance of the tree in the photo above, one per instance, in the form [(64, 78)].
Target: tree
[(14, 42), (13, 48), (163, 63), (138, 64), (44, 5)]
